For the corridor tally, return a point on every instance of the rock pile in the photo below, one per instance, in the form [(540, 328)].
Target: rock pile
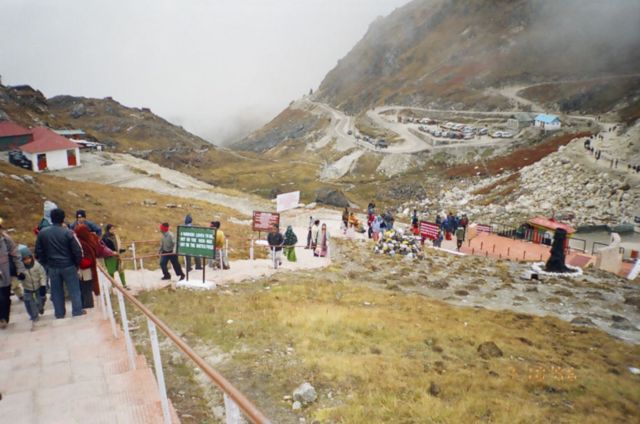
[(396, 242), (559, 185)]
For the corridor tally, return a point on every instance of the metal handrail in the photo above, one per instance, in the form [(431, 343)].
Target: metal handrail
[(250, 410)]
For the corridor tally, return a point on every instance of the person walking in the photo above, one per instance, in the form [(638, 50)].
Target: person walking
[(35, 278), (345, 220), (8, 254), (114, 263), (323, 242), (275, 241), (309, 233), (88, 271), (290, 240), (167, 253), (81, 218), (59, 251), (315, 232), (459, 237)]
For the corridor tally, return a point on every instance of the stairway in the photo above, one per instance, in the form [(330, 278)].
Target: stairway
[(70, 371)]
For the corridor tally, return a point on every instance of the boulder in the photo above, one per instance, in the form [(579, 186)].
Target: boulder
[(305, 393), (78, 110), (488, 350), (333, 197)]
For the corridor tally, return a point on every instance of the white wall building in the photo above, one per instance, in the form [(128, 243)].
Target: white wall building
[(548, 122), (50, 151)]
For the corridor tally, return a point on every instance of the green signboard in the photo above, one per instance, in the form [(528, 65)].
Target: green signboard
[(196, 241)]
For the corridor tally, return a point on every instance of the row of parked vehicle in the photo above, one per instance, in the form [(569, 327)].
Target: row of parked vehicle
[(380, 143)]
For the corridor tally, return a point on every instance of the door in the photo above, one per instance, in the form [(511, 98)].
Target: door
[(42, 161), (71, 157)]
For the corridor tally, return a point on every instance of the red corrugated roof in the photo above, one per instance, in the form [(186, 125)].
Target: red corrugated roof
[(45, 140), (541, 221), (11, 129)]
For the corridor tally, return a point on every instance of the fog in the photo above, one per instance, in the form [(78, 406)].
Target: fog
[(220, 68)]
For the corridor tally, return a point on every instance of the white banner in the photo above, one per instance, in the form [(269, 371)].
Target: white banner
[(287, 201)]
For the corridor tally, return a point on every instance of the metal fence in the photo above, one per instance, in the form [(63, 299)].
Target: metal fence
[(235, 402)]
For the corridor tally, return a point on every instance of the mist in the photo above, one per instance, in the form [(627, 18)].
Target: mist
[(218, 68)]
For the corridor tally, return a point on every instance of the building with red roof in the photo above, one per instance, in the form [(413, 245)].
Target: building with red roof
[(50, 151), (543, 229), (13, 135)]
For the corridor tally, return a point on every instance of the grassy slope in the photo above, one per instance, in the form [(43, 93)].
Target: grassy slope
[(22, 208), (373, 354)]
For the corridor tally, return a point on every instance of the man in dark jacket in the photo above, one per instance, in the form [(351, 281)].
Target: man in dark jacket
[(275, 240), (59, 251), (81, 218)]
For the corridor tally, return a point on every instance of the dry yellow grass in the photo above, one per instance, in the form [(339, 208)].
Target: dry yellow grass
[(22, 209), (382, 356)]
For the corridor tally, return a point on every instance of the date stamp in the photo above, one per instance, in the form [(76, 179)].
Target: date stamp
[(543, 373)]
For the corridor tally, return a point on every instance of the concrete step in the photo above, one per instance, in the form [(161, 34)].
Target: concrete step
[(72, 370)]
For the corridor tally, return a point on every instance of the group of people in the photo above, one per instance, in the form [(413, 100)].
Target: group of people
[(378, 224), (285, 244), (168, 254), (64, 259), (613, 162)]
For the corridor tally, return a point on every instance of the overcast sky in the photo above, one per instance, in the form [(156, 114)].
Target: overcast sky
[(213, 66)]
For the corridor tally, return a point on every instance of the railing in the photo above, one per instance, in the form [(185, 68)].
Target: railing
[(234, 401), (138, 260)]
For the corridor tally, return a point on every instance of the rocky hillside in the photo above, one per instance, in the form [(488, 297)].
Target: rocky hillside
[(446, 52), (123, 127), (120, 127)]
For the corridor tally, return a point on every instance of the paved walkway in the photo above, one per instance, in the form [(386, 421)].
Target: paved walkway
[(70, 371)]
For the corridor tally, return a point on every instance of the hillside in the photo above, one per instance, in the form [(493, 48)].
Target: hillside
[(447, 52), (119, 127), (123, 127)]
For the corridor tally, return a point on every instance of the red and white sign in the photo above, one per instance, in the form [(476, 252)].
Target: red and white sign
[(429, 230), (264, 221), (481, 228), (287, 201)]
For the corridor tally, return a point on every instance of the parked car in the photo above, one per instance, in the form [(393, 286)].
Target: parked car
[(382, 144), (483, 131), (18, 158)]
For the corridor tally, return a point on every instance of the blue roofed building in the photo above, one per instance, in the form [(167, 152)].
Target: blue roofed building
[(547, 122)]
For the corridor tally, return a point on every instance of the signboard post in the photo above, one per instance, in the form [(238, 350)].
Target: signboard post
[(197, 242), (264, 221)]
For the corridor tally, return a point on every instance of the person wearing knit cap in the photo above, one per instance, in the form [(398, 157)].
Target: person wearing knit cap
[(8, 253), (35, 279), (167, 253), (81, 218)]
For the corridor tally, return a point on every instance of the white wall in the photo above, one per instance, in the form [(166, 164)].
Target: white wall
[(56, 159), (548, 127)]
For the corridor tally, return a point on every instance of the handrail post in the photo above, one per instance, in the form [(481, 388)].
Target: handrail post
[(231, 411), (157, 363), (127, 334), (107, 296), (103, 302), (133, 250)]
